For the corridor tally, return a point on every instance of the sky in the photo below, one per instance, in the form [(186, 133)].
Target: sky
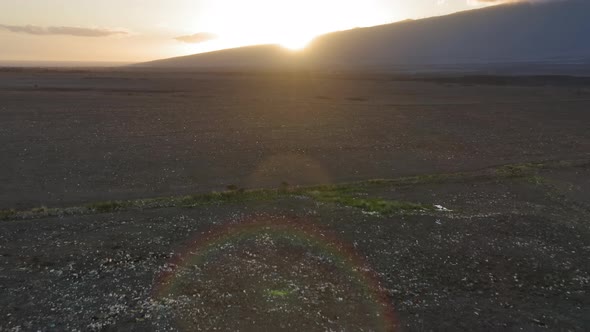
[(143, 30)]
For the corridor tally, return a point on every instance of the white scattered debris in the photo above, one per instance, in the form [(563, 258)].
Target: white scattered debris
[(371, 213), (442, 208)]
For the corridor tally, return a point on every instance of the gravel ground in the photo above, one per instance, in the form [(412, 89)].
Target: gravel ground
[(79, 136), (490, 248), (495, 254)]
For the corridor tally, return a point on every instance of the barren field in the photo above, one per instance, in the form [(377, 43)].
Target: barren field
[(72, 137), (297, 202)]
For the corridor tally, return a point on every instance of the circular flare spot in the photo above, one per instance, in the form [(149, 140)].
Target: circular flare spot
[(273, 274)]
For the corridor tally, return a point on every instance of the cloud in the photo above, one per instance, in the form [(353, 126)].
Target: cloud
[(68, 31), (200, 37)]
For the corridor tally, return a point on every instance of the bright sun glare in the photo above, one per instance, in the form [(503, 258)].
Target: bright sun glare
[(291, 24), (296, 44)]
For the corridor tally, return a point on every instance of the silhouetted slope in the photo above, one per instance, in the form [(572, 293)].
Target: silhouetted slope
[(515, 32), (252, 56), (554, 31)]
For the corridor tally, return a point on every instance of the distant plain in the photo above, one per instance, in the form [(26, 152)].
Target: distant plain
[(72, 136)]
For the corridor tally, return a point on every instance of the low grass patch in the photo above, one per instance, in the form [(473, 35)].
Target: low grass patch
[(382, 206), (109, 206), (343, 194), (376, 205), (278, 292), (342, 189), (229, 197), (536, 180), (41, 210), (7, 214), (430, 179), (44, 211), (519, 170)]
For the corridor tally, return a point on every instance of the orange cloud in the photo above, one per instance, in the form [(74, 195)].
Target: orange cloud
[(196, 38), (61, 30)]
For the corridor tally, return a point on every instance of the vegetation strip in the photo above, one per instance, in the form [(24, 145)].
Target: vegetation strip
[(338, 193)]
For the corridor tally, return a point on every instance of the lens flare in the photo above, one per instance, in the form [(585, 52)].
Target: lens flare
[(273, 272)]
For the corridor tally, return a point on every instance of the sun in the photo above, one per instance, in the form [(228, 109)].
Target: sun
[(288, 23), (295, 44)]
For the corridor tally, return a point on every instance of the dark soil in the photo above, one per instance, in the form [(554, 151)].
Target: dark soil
[(496, 254), (501, 248), (73, 137)]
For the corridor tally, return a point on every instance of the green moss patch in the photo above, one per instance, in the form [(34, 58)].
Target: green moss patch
[(342, 194), (375, 205)]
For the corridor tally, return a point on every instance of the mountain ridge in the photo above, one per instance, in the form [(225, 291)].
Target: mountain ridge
[(516, 32)]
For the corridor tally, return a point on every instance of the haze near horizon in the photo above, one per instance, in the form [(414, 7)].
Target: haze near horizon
[(142, 30)]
